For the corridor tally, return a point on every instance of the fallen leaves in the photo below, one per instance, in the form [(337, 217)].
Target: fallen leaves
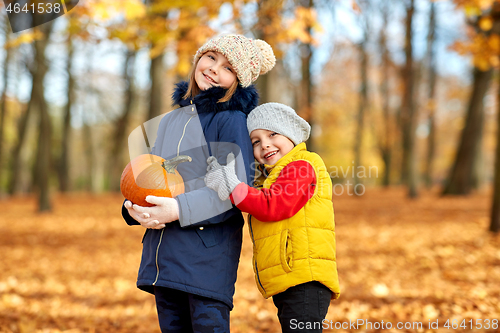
[(399, 260)]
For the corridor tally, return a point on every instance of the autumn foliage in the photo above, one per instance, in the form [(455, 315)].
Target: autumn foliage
[(400, 260), (483, 40), (73, 270)]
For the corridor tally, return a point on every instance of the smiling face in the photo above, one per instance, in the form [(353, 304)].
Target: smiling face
[(214, 70), (269, 146)]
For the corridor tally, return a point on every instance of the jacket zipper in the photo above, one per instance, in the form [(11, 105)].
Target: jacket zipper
[(161, 235), (183, 133), (157, 250), (254, 259)]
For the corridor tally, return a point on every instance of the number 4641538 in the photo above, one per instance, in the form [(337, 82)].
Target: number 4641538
[(472, 324), (41, 8)]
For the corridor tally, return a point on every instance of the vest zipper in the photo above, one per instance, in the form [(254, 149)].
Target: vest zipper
[(161, 235), (254, 259)]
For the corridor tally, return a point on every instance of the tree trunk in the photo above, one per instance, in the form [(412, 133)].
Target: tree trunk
[(263, 88), (431, 143), (269, 13), (460, 178), (64, 180), (116, 162), (363, 104), (44, 141), (306, 100), (88, 149), (495, 211), (262, 82), (157, 76), (306, 90), (478, 164), (156, 73), (386, 138), (21, 139), (408, 111), (3, 106)]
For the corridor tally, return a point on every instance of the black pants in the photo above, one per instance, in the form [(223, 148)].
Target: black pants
[(302, 308), (181, 312)]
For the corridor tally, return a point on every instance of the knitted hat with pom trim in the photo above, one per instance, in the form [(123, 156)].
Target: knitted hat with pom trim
[(248, 57)]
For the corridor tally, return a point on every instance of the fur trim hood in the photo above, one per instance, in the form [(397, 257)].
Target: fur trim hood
[(244, 99)]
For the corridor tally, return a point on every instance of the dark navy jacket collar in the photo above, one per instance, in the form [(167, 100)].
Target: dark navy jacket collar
[(244, 99)]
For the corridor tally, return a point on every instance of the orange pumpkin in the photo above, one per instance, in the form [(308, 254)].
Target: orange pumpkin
[(152, 175)]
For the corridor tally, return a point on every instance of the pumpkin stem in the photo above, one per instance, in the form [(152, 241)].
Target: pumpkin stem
[(171, 164)]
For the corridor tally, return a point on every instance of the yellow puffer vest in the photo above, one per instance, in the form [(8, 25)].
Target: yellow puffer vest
[(302, 248)]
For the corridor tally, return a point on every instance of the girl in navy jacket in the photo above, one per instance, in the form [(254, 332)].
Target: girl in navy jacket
[(192, 243)]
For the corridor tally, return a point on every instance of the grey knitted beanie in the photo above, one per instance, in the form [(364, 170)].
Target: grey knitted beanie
[(281, 119)]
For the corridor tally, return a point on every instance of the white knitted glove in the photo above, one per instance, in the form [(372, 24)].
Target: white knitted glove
[(222, 179), (143, 218), (165, 210)]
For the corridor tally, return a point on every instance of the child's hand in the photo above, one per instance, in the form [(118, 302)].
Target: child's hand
[(143, 218), (166, 210), (222, 179)]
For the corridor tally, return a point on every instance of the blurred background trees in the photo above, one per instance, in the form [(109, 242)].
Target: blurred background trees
[(399, 93)]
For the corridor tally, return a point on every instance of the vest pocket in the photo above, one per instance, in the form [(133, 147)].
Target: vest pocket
[(286, 251)]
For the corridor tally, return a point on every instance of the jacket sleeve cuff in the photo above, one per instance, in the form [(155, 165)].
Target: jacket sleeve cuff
[(201, 205), (239, 193), (183, 211), (126, 216)]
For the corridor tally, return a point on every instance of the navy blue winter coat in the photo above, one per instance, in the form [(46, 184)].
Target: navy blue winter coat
[(200, 252)]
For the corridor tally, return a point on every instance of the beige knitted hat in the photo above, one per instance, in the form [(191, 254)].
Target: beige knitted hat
[(248, 57), (281, 119)]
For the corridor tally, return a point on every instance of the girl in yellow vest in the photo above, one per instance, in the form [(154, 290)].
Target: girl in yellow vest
[(291, 217)]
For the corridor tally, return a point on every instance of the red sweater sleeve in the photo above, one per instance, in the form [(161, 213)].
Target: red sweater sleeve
[(293, 188)]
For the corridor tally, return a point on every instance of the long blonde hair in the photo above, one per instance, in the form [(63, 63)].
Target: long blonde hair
[(194, 90)]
